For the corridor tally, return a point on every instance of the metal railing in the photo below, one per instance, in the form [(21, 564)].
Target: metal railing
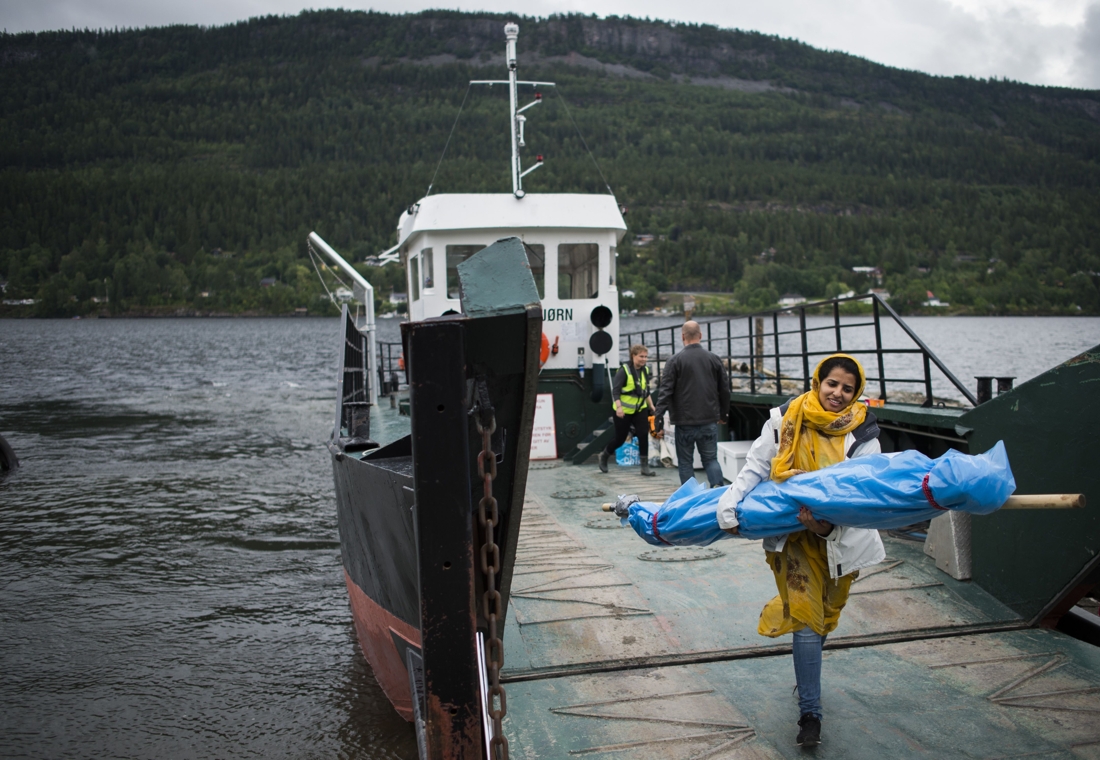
[(353, 411), (749, 344), (390, 367)]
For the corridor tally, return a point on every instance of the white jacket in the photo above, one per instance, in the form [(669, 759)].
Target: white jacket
[(849, 549)]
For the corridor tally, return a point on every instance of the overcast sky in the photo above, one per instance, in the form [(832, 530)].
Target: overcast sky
[(1054, 42)]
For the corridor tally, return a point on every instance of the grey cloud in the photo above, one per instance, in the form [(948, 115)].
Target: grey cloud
[(935, 36), (1005, 43), (1088, 50), (21, 15)]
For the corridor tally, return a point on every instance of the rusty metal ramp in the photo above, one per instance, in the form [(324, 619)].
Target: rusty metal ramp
[(615, 648), (589, 596), (1033, 693), (618, 648)]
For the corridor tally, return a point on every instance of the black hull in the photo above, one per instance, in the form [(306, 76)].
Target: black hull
[(374, 501), (410, 533)]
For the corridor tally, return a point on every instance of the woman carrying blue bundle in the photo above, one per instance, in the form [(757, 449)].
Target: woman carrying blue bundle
[(814, 568)]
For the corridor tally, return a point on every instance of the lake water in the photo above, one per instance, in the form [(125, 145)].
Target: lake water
[(171, 582), (1021, 347)]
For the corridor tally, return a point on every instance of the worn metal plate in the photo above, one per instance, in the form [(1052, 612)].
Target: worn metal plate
[(645, 714), (937, 698), (604, 523), (681, 554), (497, 280), (579, 493)]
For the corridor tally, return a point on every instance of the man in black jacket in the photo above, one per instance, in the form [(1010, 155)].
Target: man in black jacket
[(695, 390)]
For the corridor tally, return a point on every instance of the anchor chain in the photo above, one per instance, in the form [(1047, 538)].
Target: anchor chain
[(488, 517)]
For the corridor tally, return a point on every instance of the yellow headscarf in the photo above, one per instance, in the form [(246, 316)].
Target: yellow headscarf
[(811, 437)]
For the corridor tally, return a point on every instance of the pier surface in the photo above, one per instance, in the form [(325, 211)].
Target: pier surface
[(617, 648)]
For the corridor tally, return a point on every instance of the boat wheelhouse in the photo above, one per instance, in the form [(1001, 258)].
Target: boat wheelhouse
[(571, 241)]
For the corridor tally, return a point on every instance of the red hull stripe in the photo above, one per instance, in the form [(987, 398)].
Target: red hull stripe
[(373, 626)]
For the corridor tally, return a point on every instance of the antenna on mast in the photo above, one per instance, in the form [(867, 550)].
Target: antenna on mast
[(511, 32)]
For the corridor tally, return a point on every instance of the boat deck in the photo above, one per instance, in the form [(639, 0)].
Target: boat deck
[(613, 646)]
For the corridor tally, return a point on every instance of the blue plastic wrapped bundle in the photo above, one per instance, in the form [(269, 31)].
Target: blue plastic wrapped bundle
[(880, 491)]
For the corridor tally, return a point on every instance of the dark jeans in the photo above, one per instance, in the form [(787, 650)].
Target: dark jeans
[(640, 423), (706, 438)]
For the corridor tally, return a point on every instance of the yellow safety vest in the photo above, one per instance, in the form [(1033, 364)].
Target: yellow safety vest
[(633, 402)]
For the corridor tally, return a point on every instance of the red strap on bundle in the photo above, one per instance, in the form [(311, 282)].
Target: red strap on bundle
[(656, 533), (927, 494)]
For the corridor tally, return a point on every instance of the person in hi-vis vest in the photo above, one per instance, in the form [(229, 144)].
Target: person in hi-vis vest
[(633, 405)]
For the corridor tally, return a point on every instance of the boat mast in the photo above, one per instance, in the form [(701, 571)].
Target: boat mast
[(511, 32)]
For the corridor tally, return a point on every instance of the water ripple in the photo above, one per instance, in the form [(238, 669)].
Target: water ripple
[(170, 575)]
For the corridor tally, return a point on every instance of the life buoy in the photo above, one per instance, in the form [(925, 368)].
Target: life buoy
[(544, 350), (401, 362)]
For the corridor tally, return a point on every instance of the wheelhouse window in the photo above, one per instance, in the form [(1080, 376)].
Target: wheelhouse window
[(414, 276), (427, 266), (578, 270), (456, 254), (536, 257)]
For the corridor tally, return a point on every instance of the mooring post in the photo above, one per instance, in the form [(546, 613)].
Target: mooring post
[(985, 388)]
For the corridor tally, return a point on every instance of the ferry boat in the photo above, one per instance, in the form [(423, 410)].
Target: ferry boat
[(508, 294), (615, 647)]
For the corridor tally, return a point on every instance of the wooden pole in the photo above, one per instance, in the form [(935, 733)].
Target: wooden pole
[(1019, 501), (1046, 501)]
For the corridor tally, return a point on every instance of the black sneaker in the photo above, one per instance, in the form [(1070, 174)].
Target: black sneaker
[(809, 731), (601, 459)]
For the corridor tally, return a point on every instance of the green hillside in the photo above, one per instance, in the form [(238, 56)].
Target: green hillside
[(170, 170)]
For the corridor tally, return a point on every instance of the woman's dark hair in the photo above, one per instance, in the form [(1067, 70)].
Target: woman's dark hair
[(844, 363)]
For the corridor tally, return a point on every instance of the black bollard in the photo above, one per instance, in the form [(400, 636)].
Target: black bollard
[(985, 388)]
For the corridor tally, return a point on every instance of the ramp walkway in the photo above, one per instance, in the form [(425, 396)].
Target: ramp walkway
[(615, 647)]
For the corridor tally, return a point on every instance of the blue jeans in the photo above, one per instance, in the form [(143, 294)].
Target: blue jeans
[(807, 670), (706, 438)]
